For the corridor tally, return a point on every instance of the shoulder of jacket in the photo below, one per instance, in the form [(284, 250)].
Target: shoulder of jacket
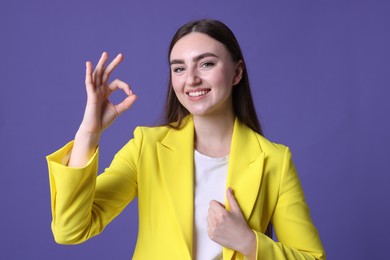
[(271, 147), (151, 132)]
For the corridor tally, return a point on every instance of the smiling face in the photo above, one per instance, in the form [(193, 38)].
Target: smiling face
[(203, 74)]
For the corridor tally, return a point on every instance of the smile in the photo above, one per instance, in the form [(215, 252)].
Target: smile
[(198, 93)]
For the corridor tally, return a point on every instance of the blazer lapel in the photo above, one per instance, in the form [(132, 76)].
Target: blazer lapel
[(245, 171), (175, 155)]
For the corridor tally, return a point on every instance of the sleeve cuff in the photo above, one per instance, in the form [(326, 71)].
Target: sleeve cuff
[(60, 158)]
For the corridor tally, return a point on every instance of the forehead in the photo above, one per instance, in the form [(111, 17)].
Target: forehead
[(196, 43)]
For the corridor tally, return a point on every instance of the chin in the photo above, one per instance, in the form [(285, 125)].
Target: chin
[(197, 111)]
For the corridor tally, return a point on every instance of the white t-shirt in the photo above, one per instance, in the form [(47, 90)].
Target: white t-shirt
[(210, 184)]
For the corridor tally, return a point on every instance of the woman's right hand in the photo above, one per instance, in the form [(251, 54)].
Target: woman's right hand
[(99, 113)]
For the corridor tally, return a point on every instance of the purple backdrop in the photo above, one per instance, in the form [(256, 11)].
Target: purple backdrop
[(320, 77)]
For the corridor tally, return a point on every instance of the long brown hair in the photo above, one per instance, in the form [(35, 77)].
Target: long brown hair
[(242, 98)]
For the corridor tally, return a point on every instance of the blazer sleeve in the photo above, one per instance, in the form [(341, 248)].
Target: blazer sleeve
[(83, 203), (298, 237)]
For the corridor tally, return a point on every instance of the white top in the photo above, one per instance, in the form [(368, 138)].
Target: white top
[(210, 184)]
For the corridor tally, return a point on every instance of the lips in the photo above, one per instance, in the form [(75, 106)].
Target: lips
[(198, 93)]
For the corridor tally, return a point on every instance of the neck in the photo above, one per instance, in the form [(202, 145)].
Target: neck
[(213, 134)]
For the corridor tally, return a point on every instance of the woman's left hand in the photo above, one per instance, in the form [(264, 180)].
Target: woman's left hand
[(229, 228)]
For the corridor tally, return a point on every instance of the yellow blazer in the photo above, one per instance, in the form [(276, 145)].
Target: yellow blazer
[(157, 166)]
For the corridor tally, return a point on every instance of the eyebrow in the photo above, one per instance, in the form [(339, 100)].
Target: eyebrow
[(195, 59)]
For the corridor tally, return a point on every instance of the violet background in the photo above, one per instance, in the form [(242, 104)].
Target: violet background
[(320, 79)]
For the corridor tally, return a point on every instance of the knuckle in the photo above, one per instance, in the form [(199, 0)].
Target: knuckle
[(116, 81), (222, 216), (211, 234)]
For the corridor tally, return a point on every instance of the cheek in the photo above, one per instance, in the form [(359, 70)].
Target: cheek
[(224, 76), (176, 83), (178, 90)]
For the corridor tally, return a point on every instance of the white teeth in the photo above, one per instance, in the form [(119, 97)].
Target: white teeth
[(198, 93)]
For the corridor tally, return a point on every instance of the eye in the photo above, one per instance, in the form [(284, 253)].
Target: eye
[(178, 69), (207, 64)]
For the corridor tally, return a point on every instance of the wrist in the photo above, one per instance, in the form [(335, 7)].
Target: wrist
[(86, 142), (87, 137), (250, 245), (84, 147)]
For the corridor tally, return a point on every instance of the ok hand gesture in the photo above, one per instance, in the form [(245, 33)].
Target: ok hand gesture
[(100, 112)]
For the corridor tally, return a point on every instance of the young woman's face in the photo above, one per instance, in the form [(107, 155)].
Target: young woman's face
[(203, 74)]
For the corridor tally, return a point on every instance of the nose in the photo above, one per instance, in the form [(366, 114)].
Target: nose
[(193, 78)]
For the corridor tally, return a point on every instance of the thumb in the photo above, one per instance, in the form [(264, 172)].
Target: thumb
[(234, 207)]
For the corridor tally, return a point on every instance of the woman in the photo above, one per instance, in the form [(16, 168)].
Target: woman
[(208, 183)]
